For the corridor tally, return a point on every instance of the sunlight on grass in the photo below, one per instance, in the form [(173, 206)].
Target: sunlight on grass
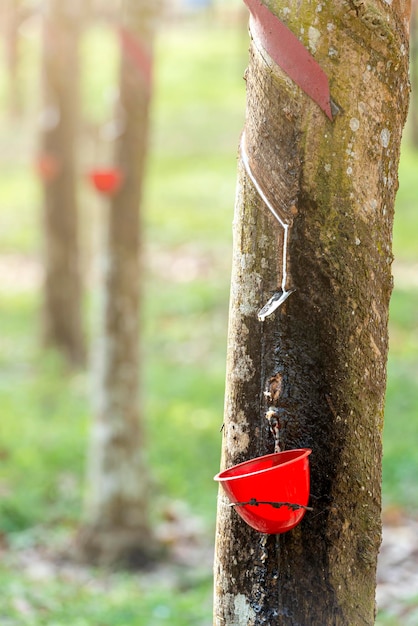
[(406, 215)]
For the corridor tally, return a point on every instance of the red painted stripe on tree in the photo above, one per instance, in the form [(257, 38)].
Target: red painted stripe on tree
[(138, 53), (290, 54)]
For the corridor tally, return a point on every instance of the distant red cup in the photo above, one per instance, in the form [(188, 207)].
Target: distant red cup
[(47, 166), (106, 180), (270, 492)]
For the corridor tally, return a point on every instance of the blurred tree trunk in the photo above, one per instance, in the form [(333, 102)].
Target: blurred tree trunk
[(414, 73), (13, 17), (117, 525), (62, 306), (320, 359)]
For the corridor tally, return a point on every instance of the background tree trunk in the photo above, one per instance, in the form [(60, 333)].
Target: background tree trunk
[(322, 355), (117, 525), (414, 74), (62, 316), (13, 17)]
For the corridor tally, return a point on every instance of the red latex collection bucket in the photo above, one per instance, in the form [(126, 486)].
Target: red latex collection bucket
[(107, 180), (282, 477)]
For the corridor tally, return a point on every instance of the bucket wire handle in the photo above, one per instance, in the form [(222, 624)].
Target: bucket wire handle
[(276, 505)]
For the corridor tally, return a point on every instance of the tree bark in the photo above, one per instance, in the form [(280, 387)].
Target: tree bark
[(117, 527), (320, 359), (62, 308), (414, 74)]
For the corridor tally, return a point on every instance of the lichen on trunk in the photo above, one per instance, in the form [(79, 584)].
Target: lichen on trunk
[(321, 358)]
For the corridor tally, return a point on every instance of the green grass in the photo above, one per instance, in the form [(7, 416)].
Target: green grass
[(43, 421), (406, 216), (97, 598), (400, 466), (45, 409)]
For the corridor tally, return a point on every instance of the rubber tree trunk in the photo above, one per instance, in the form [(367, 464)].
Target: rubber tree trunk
[(414, 74), (320, 359), (62, 309), (117, 525)]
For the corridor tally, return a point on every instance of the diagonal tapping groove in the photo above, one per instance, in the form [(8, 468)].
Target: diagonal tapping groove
[(280, 296)]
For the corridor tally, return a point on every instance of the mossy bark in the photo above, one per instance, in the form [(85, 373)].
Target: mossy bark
[(117, 527), (62, 326), (321, 358), (414, 74)]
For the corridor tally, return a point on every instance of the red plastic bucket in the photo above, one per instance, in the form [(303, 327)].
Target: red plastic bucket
[(107, 180), (270, 492)]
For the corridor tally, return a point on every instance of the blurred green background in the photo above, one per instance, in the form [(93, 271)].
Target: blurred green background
[(198, 112)]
